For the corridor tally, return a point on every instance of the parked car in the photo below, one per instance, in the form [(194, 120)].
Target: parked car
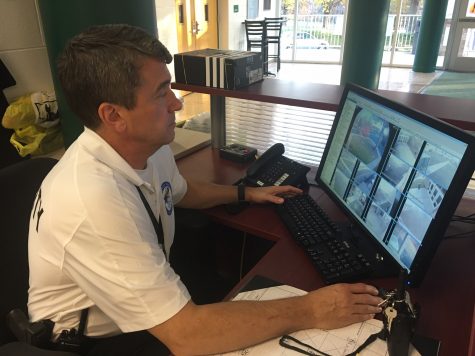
[(305, 40)]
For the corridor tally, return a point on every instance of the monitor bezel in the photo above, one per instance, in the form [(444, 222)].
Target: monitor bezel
[(436, 231)]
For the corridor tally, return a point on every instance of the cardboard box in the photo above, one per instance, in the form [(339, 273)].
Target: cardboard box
[(217, 68)]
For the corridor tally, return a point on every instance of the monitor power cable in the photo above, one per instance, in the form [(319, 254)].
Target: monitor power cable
[(243, 249), (468, 219)]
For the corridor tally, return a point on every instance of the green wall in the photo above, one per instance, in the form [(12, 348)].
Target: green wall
[(62, 19)]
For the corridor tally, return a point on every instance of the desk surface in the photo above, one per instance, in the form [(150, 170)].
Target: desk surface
[(446, 295)]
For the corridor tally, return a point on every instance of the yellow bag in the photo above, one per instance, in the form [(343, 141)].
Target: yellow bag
[(35, 120), (19, 114), (36, 140), (39, 108)]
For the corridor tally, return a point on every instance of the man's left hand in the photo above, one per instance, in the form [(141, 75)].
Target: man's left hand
[(273, 194)]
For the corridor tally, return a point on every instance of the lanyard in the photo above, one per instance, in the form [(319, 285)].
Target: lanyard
[(157, 225), (292, 343)]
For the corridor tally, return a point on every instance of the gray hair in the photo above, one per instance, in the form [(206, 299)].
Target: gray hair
[(102, 64)]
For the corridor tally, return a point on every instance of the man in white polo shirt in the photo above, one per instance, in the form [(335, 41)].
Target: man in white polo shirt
[(94, 226)]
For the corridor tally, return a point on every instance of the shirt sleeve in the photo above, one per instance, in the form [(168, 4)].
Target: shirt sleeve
[(178, 182)]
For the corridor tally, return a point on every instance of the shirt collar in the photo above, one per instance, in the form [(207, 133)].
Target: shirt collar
[(101, 150)]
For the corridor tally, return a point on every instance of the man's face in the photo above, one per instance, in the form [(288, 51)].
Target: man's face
[(152, 121)]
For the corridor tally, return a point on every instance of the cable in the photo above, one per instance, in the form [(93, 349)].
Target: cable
[(241, 265), (461, 235), (466, 216), (468, 219)]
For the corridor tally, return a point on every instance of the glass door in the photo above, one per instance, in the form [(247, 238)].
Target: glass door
[(462, 54), (313, 30), (404, 20)]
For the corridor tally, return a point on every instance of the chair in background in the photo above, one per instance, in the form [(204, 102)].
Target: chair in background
[(273, 33), (19, 184), (256, 38)]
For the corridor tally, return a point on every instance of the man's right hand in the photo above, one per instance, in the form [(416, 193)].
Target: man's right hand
[(339, 305)]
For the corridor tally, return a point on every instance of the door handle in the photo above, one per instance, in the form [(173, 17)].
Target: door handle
[(195, 27)]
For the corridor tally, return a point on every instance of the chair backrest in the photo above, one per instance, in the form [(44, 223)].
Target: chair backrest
[(19, 184), (255, 33), (273, 28)]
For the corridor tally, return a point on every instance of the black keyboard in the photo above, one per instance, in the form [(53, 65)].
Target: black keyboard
[(336, 259)]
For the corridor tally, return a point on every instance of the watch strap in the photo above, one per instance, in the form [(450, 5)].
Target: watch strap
[(241, 190)]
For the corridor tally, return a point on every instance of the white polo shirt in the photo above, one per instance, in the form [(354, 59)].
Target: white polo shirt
[(93, 245)]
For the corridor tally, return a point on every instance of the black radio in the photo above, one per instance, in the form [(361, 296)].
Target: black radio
[(238, 153)]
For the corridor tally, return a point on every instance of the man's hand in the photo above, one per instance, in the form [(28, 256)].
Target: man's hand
[(339, 305), (273, 194)]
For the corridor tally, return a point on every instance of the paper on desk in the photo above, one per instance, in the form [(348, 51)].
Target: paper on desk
[(337, 342)]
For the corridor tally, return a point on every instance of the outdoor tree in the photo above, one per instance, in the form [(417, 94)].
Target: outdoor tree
[(413, 7), (328, 6), (409, 7), (312, 7), (288, 7)]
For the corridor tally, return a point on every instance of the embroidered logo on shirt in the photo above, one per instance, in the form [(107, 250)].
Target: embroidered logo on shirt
[(167, 197)]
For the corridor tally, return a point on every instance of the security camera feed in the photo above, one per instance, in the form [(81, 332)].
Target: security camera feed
[(391, 172)]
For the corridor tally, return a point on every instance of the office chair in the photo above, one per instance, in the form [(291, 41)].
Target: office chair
[(18, 186), (273, 34), (256, 38)]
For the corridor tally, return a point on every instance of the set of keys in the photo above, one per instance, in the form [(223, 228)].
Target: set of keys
[(392, 303)]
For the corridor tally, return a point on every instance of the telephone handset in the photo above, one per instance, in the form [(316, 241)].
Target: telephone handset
[(273, 152), (273, 168)]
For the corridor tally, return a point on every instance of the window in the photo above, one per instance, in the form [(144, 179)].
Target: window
[(252, 9), (304, 132), (267, 4)]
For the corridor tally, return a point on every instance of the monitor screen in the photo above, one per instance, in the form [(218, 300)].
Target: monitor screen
[(397, 173)]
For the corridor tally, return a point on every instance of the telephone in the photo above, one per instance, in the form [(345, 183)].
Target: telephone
[(273, 168)]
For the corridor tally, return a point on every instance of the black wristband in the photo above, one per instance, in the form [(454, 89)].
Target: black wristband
[(241, 204), (241, 190)]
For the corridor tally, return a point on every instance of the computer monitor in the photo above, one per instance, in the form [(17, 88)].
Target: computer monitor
[(399, 175)]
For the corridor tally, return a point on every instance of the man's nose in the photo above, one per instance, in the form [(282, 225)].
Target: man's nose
[(177, 102)]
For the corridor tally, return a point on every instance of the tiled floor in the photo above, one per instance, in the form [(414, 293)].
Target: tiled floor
[(399, 79)]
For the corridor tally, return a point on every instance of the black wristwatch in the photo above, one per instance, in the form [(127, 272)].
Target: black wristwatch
[(241, 204), (241, 191)]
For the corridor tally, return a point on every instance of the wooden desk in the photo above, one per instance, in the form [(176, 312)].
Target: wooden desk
[(446, 295)]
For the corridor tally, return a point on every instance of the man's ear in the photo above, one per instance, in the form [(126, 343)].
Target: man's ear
[(111, 117)]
